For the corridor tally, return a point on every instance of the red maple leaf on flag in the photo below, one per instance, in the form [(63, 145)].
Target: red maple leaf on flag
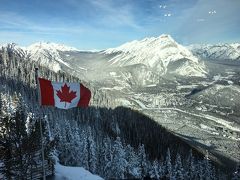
[(66, 95)]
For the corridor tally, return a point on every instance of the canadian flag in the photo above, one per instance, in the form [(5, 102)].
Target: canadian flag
[(63, 95)]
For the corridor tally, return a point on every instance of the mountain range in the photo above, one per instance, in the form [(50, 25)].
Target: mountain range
[(161, 55), (217, 52), (192, 91)]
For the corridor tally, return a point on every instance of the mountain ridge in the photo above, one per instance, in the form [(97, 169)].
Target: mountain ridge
[(157, 53), (220, 51), (162, 55)]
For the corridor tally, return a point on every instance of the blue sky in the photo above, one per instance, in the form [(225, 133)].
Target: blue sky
[(100, 24)]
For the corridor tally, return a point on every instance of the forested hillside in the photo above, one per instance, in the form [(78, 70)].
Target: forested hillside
[(113, 143)]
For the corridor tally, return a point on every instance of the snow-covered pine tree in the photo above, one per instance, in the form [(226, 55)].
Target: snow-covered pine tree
[(155, 171), (56, 130), (207, 168), (107, 157), (178, 169), (85, 150), (133, 167), (1, 104), (118, 164), (81, 147), (200, 170), (18, 146), (6, 147), (65, 153), (143, 161), (190, 172), (92, 151), (76, 152), (101, 160), (168, 165), (236, 173), (161, 169)]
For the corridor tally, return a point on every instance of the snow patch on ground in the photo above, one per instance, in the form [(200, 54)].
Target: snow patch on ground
[(124, 102), (113, 88), (207, 127), (73, 173), (222, 122)]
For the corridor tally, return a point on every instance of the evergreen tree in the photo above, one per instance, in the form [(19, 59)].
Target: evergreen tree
[(178, 169), (133, 167), (236, 174), (76, 149), (143, 161), (190, 167), (101, 160), (85, 151), (18, 147), (107, 157), (200, 170), (168, 165), (118, 163), (1, 104), (66, 158), (161, 169), (92, 152), (155, 171), (207, 168)]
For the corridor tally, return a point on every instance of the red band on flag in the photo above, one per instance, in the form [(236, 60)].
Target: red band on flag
[(85, 96), (46, 92)]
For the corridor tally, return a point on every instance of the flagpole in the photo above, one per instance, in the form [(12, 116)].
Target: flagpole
[(42, 149)]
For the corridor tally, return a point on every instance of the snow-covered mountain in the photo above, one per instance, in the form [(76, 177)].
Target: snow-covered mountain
[(217, 51), (162, 53), (14, 48), (141, 61), (48, 54), (51, 46)]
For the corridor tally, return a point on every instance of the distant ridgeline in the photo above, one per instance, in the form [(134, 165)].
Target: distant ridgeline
[(113, 143)]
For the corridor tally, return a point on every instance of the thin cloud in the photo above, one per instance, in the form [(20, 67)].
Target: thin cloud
[(200, 20), (108, 13), (115, 15), (219, 21), (12, 19), (19, 24)]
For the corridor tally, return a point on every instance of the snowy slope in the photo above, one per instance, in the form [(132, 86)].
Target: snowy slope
[(217, 52), (51, 46), (48, 54), (222, 95), (73, 173), (157, 53), (161, 55), (12, 47)]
